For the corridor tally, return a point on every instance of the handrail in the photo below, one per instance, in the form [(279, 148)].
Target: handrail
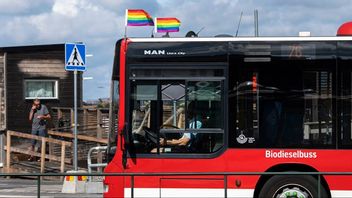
[(79, 137), (89, 159), (80, 108), (140, 174), (36, 154), (159, 174), (35, 137), (79, 126)]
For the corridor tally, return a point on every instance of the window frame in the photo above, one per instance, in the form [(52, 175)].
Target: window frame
[(324, 65), (343, 66), (56, 89), (224, 102)]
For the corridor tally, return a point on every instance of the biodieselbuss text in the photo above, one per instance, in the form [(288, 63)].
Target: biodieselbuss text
[(290, 154)]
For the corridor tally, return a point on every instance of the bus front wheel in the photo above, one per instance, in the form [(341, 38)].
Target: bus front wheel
[(291, 186)]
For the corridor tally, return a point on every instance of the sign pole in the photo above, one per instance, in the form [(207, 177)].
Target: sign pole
[(75, 60), (75, 160)]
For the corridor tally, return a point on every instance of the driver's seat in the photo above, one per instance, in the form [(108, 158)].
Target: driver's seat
[(198, 145)]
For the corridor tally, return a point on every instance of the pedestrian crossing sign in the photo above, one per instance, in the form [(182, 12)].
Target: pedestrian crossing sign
[(75, 57)]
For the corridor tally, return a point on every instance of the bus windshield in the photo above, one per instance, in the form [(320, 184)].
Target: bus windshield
[(179, 114)]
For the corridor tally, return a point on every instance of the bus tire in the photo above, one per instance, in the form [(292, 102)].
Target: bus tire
[(292, 186)]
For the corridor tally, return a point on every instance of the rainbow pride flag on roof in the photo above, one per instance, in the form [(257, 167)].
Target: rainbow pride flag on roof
[(167, 25), (138, 18)]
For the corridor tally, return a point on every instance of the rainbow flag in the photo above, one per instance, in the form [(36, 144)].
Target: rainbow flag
[(138, 18), (167, 25)]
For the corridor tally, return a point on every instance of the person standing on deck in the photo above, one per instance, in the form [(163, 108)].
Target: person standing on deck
[(38, 115)]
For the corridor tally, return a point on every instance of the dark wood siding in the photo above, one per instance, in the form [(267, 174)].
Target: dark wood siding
[(2, 92), (36, 63)]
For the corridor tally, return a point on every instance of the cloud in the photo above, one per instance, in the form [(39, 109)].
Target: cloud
[(276, 17), (10, 7), (67, 7), (100, 23)]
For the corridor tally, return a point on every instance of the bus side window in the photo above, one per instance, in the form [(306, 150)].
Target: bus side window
[(246, 92), (346, 108), (344, 100), (318, 108), (281, 107), (204, 107)]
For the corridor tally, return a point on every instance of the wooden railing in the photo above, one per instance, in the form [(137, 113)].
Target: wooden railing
[(79, 137), (99, 141), (93, 128), (62, 159), (88, 118), (92, 131)]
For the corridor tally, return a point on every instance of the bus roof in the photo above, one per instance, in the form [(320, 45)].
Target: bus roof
[(234, 39)]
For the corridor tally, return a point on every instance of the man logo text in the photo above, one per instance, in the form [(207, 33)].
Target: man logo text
[(154, 52)]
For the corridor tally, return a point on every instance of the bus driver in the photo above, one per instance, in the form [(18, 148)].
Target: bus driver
[(183, 144)]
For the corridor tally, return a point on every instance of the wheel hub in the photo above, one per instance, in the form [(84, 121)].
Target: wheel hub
[(293, 192)]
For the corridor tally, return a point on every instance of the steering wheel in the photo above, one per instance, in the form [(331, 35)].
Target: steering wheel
[(150, 136), (170, 135)]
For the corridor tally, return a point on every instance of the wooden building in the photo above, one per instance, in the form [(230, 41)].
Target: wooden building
[(29, 72)]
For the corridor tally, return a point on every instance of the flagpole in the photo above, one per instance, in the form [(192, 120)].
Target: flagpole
[(126, 23), (155, 25), (126, 18)]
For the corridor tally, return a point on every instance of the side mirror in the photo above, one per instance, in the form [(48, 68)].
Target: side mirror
[(125, 146), (110, 153)]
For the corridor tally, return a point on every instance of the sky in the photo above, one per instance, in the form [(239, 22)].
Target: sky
[(100, 23)]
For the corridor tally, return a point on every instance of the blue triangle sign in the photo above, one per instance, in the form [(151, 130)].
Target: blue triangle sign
[(75, 57)]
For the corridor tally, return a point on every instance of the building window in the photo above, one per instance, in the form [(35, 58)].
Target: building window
[(41, 89)]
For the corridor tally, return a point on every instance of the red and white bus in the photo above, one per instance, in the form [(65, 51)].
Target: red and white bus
[(258, 104)]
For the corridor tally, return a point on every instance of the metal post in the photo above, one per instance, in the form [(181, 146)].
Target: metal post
[(256, 31), (175, 112), (319, 181), (38, 186), (225, 185), (75, 123), (132, 186)]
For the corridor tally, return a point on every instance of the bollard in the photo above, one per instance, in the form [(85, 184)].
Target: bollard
[(74, 184)]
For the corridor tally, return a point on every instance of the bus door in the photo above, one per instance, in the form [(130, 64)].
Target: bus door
[(176, 124)]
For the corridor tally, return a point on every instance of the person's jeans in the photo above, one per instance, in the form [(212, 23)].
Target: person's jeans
[(39, 132)]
